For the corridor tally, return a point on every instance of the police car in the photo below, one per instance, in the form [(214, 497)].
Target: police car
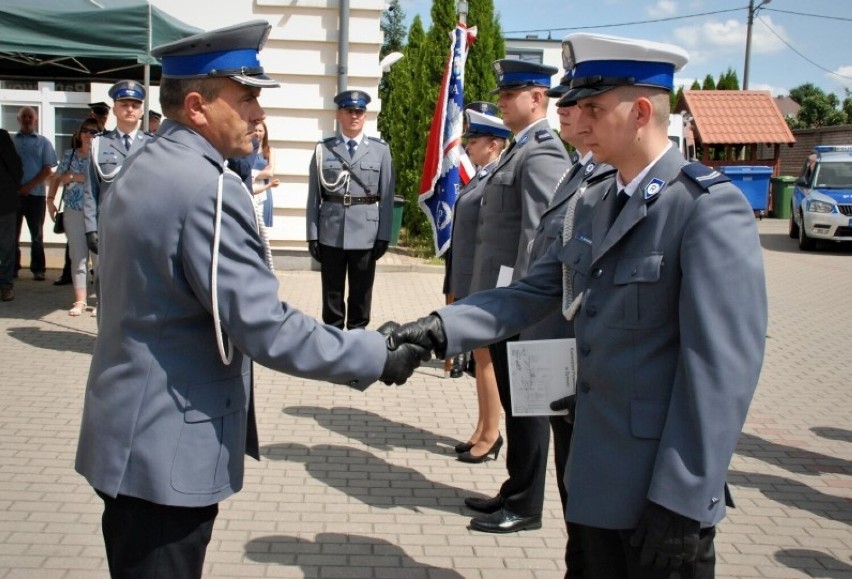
[(822, 197)]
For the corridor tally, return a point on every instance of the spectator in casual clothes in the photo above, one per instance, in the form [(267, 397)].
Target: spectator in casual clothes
[(11, 172), (73, 174), (38, 158)]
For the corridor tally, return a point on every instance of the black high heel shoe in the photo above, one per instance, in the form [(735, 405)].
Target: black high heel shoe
[(495, 450), (463, 446)]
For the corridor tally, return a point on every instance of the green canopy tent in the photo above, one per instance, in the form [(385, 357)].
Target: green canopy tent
[(97, 40), (94, 40)]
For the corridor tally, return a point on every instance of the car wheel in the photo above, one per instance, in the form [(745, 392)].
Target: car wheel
[(794, 227), (805, 243)]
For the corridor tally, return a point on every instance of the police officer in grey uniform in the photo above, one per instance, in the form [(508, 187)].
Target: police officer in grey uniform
[(668, 297), (110, 149), (516, 195), (349, 212), (189, 300)]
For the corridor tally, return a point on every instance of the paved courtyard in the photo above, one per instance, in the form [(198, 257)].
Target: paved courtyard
[(365, 485)]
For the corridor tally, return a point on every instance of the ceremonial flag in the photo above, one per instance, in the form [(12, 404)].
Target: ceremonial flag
[(446, 166)]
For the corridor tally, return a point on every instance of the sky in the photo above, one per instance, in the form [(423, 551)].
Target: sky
[(793, 41)]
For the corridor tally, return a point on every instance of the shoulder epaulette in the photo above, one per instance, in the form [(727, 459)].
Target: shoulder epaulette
[(149, 133), (543, 135), (329, 139), (703, 175), (377, 140)]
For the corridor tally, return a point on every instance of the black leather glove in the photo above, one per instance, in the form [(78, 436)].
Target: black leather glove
[(379, 249), (314, 250), (92, 241), (426, 332), (401, 362), (568, 403), (667, 539)]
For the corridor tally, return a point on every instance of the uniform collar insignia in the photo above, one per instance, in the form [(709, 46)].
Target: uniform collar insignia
[(590, 166), (524, 139), (653, 188)]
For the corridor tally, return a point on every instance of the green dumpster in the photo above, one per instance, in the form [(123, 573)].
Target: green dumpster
[(396, 225), (782, 196)]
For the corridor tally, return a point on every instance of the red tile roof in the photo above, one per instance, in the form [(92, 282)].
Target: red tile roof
[(736, 117)]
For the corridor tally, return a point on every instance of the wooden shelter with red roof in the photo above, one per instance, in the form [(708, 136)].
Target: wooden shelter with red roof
[(726, 126)]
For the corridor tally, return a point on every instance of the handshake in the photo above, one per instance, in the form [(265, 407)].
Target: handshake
[(409, 345), (412, 343)]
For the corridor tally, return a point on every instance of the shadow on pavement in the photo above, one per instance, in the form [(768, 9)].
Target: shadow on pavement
[(791, 458), (814, 563), (80, 342), (374, 430), (792, 493), (832, 433), (346, 553), (368, 478), (781, 242)]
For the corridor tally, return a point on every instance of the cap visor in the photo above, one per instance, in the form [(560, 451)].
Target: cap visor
[(557, 91), (573, 95), (257, 80)]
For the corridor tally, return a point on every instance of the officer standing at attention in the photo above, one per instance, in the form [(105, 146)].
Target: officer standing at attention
[(517, 193), (111, 148), (668, 298), (349, 212), (189, 300)]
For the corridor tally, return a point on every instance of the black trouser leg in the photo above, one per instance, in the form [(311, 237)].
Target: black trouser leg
[(607, 554), (362, 274), (333, 275), (66, 269), (527, 438), (145, 540)]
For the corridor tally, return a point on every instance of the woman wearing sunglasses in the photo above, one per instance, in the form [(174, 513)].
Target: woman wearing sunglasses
[(72, 174)]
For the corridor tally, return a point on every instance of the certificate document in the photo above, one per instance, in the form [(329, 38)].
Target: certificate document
[(541, 371)]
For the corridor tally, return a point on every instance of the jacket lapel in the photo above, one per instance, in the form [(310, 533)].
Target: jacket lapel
[(361, 150)]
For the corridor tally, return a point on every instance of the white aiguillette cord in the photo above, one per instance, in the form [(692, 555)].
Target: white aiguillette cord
[(228, 357)]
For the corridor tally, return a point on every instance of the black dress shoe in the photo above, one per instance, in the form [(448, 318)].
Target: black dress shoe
[(494, 450), (62, 281), (505, 521), (489, 505), (463, 447)]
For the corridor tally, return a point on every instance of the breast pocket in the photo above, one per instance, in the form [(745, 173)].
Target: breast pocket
[(212, 438), (108, 162), (643, 300), (331, 169), (369, 172), (501, 187)]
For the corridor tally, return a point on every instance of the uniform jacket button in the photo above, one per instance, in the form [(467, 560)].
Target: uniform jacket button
[(353, 383), (597, 273), (585, 349), (585, 388), (227, 403), (591, 311)]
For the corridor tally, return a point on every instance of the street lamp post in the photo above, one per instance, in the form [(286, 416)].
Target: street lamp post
[(462, 6), (752, 9)]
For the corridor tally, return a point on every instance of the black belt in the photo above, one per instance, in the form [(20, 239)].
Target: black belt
[(350, 200)]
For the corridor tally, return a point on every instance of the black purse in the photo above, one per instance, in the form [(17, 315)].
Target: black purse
[(59, 218)]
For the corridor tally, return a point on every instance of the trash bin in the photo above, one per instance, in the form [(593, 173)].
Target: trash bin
[(753, 181), (396, 225), (782, 196)]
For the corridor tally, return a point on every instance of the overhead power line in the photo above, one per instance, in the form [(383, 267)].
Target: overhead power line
[(615, 25), (805, 14), (802, 56)]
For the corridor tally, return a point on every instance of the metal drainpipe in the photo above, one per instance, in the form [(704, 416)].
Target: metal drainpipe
[(343, 47)]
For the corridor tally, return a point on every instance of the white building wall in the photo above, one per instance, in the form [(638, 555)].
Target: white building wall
[(551, 53)]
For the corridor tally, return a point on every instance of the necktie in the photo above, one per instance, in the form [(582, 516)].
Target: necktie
[(126, 142), (620, 201), (570, 302), (352, 144)]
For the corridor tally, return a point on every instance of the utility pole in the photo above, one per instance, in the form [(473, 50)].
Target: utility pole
[(752, 9)]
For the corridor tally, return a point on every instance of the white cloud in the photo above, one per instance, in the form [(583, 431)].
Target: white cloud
[(662, 9), (845, 72), (714, 38)]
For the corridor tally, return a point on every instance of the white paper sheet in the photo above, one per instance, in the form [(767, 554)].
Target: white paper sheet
[(504, 278), (541, 371)]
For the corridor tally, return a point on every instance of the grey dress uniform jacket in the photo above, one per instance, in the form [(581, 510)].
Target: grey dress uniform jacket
[(465, 220), (516, 194), (671, 337), (164, 418), (355, 226), (549, 229), (111, 155)]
